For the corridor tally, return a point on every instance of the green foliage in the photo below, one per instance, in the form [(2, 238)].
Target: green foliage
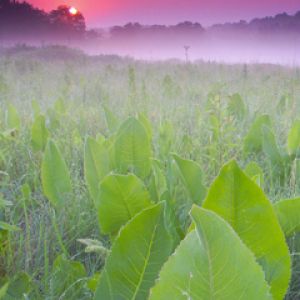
[(67, 279), (39, 133), (147, 125), (288, 215), (253, 141), (13, 120), (3, 290), (137, 255), (36, 108), (237, 107), (238, 200), (270, 147), (55, 175), (128, 168), (120, 199), (96, 164), (18, 287), (133, 148), (192, 178), (293, 142), (111, 120), (211, 263), (166, 138), (255, 172)]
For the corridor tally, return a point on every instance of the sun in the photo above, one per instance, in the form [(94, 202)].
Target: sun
[(73, 11)]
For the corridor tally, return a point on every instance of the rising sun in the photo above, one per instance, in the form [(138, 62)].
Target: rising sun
[(73, 11)]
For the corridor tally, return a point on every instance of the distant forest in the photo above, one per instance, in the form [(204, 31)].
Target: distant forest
[(24, 22)]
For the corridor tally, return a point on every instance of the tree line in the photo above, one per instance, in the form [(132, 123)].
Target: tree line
[(24, 21)]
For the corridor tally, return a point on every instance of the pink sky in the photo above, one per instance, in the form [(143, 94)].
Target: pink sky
[(113, 12)]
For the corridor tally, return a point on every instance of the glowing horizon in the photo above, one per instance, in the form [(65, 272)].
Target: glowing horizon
[(206, 12)]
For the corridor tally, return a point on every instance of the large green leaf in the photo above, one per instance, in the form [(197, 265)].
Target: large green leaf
[(270, 147), (288, 214), (145, 121), (3, 290), (55, 175), (158, 183), (13, 120), (39, 133), (211, 263), (293, 142), (254, 138), (67, 279), (18, 286), (111, 120), (96, 164), (120, 198), (237, 107), (133, 148), (191, 175), (238, 200), (136, 258)]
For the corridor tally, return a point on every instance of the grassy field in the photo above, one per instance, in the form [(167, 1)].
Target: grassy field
[(68, 121)]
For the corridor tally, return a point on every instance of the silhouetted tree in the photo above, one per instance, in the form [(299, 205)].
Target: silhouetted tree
[(20, 20), (66, 23)]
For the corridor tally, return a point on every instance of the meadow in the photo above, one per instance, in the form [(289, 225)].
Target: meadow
[(126, 179)]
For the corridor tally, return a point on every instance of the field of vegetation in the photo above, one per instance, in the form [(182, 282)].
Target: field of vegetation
[(123, 179)]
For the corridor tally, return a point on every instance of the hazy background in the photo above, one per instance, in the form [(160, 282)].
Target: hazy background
[(234, 31), (207, 12)]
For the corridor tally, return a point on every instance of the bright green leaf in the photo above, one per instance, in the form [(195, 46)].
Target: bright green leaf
[(293, 142), (192, 178), (133, 148), (111, 120), (39, 133), (254, 138), (96, 164), (55, 175), (211, 263), (13, 120), (238, 200), (67, 279), (120, 199), (288, 212), (136, 258)]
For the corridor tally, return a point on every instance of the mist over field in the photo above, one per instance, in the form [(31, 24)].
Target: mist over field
[(274, 39), (225, 47)]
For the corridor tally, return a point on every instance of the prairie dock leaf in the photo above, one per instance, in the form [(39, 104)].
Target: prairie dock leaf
[(133, 148), (254, 138), (120, 198), (55, 175), (68, 278), (137, 255), (293, 142), (211, 263), (238, 200), (96, 164), (288, 212), (13, 120), (111, 120), (191, 175), (39, 133)]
